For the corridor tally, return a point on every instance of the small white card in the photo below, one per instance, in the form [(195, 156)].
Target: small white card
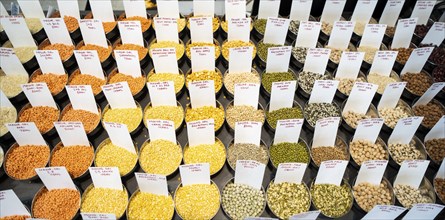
[(55, 29), (89, 63), (363, 10), (161, 130), (198, 173), (201, 132), (55, 178), (360, 98), (391, 95), (417, 60), (204, 8), (276, 31), (4, 101), (128, 62), (72, 133), (383, 62), (164, 60), (38, 94), (404, 33), (341, 34), (166, 29), (288, 130), (332, 11), (249, 172), (308, 34), (331, 172), (323, 91), (422, 10), (282, 95), (120, 136), (268, 9), (391, 12), (201, 29), (238, 29), (300, 10), (325, 132), (162, 93), (384, 212), (246, 94), (50, 62), (102, 10), (131, 32), (106, 177), (290, 172), (168, 9), (371, 171), (82, 98), (119, 95), (317, 60), (278, 59), (368, 129), (10, 63), (435, 35), (423, 211), (93, 32), (31, 8), (98, 216), (11, 205), (437, 131), (26, 133), (349, 66), (311, 215), (202, 93), (17, 31), (411, 173), (152, 183), (235, 9), (240, 59), (248, 132), (430, 93), (203, 58), (373, 35), (135, 8), (69, 8), (405, 130)]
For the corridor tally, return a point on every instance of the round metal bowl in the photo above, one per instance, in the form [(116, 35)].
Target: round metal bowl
[(378, 141), (312, 126), (425, 187), (141, 93), (229, 93), (46, 134), (59, 146), (232, 143), (180, 60), (177, 129), (2, 161), (440, 199), (218, 91), (268, 125), (132, 132), (267, 93), (408, 94), (96, 127), (339, 141), (398, 66), (137, 192), (181, 91), (145, 144), (41, 192), (389, 186), (372, 112), (61, 95), (218, 105), (344, 182), (283, 217), (91, 186), (216, 140), (300, 140), (422, 126), (108, 62), (418, 145), (107, 141), (143, 61)]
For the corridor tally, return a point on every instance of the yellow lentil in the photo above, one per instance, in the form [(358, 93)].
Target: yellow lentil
[(165, 44), (10, 84), (214, 154), (199, 201), (160, 157), (130, 116), (104, 200), (150, 206), (170, 113), (205, 75), (236, 43), (206, 112), (178, 79), (201, 44), (110, 155)]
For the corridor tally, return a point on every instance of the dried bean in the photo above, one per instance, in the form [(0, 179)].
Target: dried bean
[(345, 85), (263, 49), (352, 118), (167, 44), (55, 82), (281, 114), (260, 25), (241, 201), (76, 159), (205, 75), (402, 152), (206, 112), (368, 195), (89, 120), (392, 115), (381, 81), (363, 150), (110, 155), (417, 83), (332, 200), (236, 43), (409, 196), (142, 51), (421, 30), (287, 199), (65, 51), (178, 79), (201, 44), (129, 116), (403, 54), (145, 23), (85, 79), (306, 80), (432, 112), (169, 113), (439, 185), (300, 53), (42, 116), (230, 79), (246, 152), (103, 52), (436, 149), (315, 111), (269, 78)]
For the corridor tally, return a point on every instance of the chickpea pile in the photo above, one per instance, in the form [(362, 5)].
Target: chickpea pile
[(368, 196), (363, 150), (392, 115), (352, 118)]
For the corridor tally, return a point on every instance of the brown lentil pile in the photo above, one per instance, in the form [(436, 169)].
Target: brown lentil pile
[(409, 196), (71, 23), (205, 75), (136, 84), (230, 79), (352, 118), (85, 79), (103, 52), (363, 150), (104, 200), (368, 196), (439, 184), (436, 149), (236, 43), (56, 204), (417, 83), (77, 159), (432, 112), (345, 85), (142, 51), (401, 152), (89, 120), (165, 44), (42, 116), (206, 112), (65, 51), (403, 54), (145, 23), (243, 113), (201, 44), (15, 217), (392, 115), (242, 151), (21, 161), (325, 153), (56, 83), (178, 79)]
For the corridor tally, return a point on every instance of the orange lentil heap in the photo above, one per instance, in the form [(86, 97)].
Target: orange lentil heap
[(76, 159), (145, 23), (15, 217), (103, 52), (142, 51), (135, 84), (65, 51), (56, 204), (71, 23), (22, 160), (84, 79), (42, 116), (55, 82), (89, 119)]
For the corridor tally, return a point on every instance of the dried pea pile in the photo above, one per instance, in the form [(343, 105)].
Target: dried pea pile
[(206, 112), (150, 206), (403, 54), (417, 83), (289, 153), (439, 185), (368, 195), (333, 201), (288, 199), (214, 154), (269, 78), (160, 157), (189, 206), (345, 85), (170, 113), (409, 196), (352, 118), (131, 117), (247, 152), (363, 150), (243, 113), (104, 200), (110, 155), (300, 53), (283, 113), (240, 201)]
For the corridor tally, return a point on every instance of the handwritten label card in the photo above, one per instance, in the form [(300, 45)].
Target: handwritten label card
[(201, 132), (437, 131), (152, 183), (106, 177), (417, 60), (325, 132), (360, 97), (198, 173), (411, 173), (201, 29), (300, 10), (235, 9), (288, 130), (371, 171), (168, 8), (240, 59), (331, 172), (341, 34), (38, 94), (246, 94), (204, 8), (131, 32), (368, 129), (10, 63), (308, 34), (50, 62), (423, 211), (102, 10), (56, 31), (323, 91), (391, 95), (276, 31), (71, 133), (55, 178), (82, 97), (238, 29), (422, 10), (98, 216), (282, 95), (248, 132), (119, 95), (69, 8), (161, 130), (164, 60), (373, 35), (404, 33), (166, 29), (249, 172), (317, 60), (26, 133), (11, 205), (332, 11), (290, 172), (119, 135), (202, 93), (278, 59), (31, 8), (4, 101), (430, 93), (268, 9), (363, 10), (435, 35), (311, 215), (135, 8), (388, 212), (162, 93), (93, 32), (17, 31), (383, 62), (405, 130), (203, 58), (128, 62), (349, 66), (89, 63), (391, 12)]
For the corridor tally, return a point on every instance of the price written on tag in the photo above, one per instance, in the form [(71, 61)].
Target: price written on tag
[(360, 98), (93, 32), (119, 95), (430, 93), (50, 62), (391, 12), (368, 129), (238, 29), (391, 95), (290, 172), (195, 174), (278, 59), (152, 183), (323, 91), (55, 29), (317, 60), (341, 34), (161, 130), (311, 215), (98, 216), (417, 60), (26, 133), (120, 136), (162, 93), (246, 94), (201, 29), (89, 63), (128, 62), (404, 130), (282, 95), (371, 171), (248, 132), (249, 172), (422, 10), (325, 132), (131, 32), (203, 58), (383, 62), (17, 31), (82, 97), (373, 35), (411, 173), (202, 93), (384, 212), (332, 11), (349, 66), (308, 34), (166, 29), (72, 133), (288, 130), (106, 177), (435, 35), (331, 172), (437, 131), (55, 178), (201, 132), (404, 32), (164, 60), (300, 10), (235, 9), (10, 63), (11, 205), (276, 31), (423, 211), (240, 59), (38, 94)]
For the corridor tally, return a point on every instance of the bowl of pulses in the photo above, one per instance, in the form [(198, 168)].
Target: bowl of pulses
[(333, 201), (439, 187), (36, 28), (169, 113), (226, 45), (416, 84), (345, 85), (21, 161), (287, 152), (324, 153), (90, 120), (408, 196), (431, 112), (364, 150), (286, 199), (55, 81), (244, 151), (402, 56), (160, 157), (104, 54), (367, 195), (72, 24), (136, 84), (66, 52), (230, 79), (76, 159), (104, 200), (9, 115), (214, 154), (315, 111), (43, 116), (214, 75), (96, 83), (351, 118), (10, 85), (392, 115), (177, 79), (206, 112), (56, 203), (414, 150), (197, 201), (267, 78), (179, 46), (306, 81), (215, 44), (141, 50), (435, 149), (262, 51), (144, 205), (25, 55), (111, 155), (240, 201), (132, 117), (110, 28), (243, 113), (272, 117), (382, 81)]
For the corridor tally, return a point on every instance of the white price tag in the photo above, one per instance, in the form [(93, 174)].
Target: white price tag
[(69, 8), (131, 32), (198, 173), (119, 95), (373, 35), (360, 97), (152, 183), (4, 101), (89, 63), (435, 35), (441, 171), (437, 131), (50, 62), (276, 31), (308, 34), (278, 59), (325, 132), (240, 59), (268, 8), (288, 130), (317, 60), (17, 31), (128, 62), (404, 130), (331, 172), (201, 132), (383, 62), (238, 29), (120, 136), (404, 33), (248, 132), (72, 133), (246, 94), (422, 10), (102, 10), (98, 216), (203, 58), (164, 60), (368, 129), (93, 32), (202, 93), (430, 93), (391, 12), (417, 60), (106, 177), (168, 8), (31, 8), (332, 11), (82, 97), (323, 91), (349, 66), (290, 172), (300, 10), (411, 173), (55, 178), (26, 133), (282, 95), (11, 205), (135, 8), (384, 212), (235, 9), (166, 29), (161, 130), (391, 95), (56, 31), (249, 172), (10, 63), (162, 93), (38, 94), (201, 29), (363, 10), (423, 211), (371, 171), (341, 34), (204, 8)]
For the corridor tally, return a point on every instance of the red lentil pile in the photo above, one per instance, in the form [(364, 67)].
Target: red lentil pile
[(22, 160), (76, 159)]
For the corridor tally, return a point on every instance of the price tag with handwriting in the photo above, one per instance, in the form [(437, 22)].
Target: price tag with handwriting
[(384, 212), (119, 95), (203, 58), (55, 178), (201, 132), (268, 9), (162, 93), (164, 60), (341, 34), (161, 130), (437, 131), (198, 173), (11, 205), (282, 95), (50, 62), (82, 97), (128, 62), (238, 29), (383, 62), (430, 93), (72, 133), (332, 11), (331, 172), (325, 132), (371, 171), (249, 172), (308, 34), (391, 12), (417, 60), (201, 29), (373, 35), (278, 59), (17, 31), (246, 94), (288, 130), (300, 10), (317, 60), (435, 35), (290, 172), (276, 31), (166, 29), (131, 32), (404, 33), (349, 66), (405, 130), (38, 94), (391, 95), (235, 9), (89, 63), (10, 63), (106, 177), (248, 132), (411, 173), (120, 136), (93, 32), (55, 29), (360, 98), (422, 10), (98, 216), (26, 133), (423, 211), (152, 183), (240, 59), (368, 129), (323, 91), (202, 93)]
